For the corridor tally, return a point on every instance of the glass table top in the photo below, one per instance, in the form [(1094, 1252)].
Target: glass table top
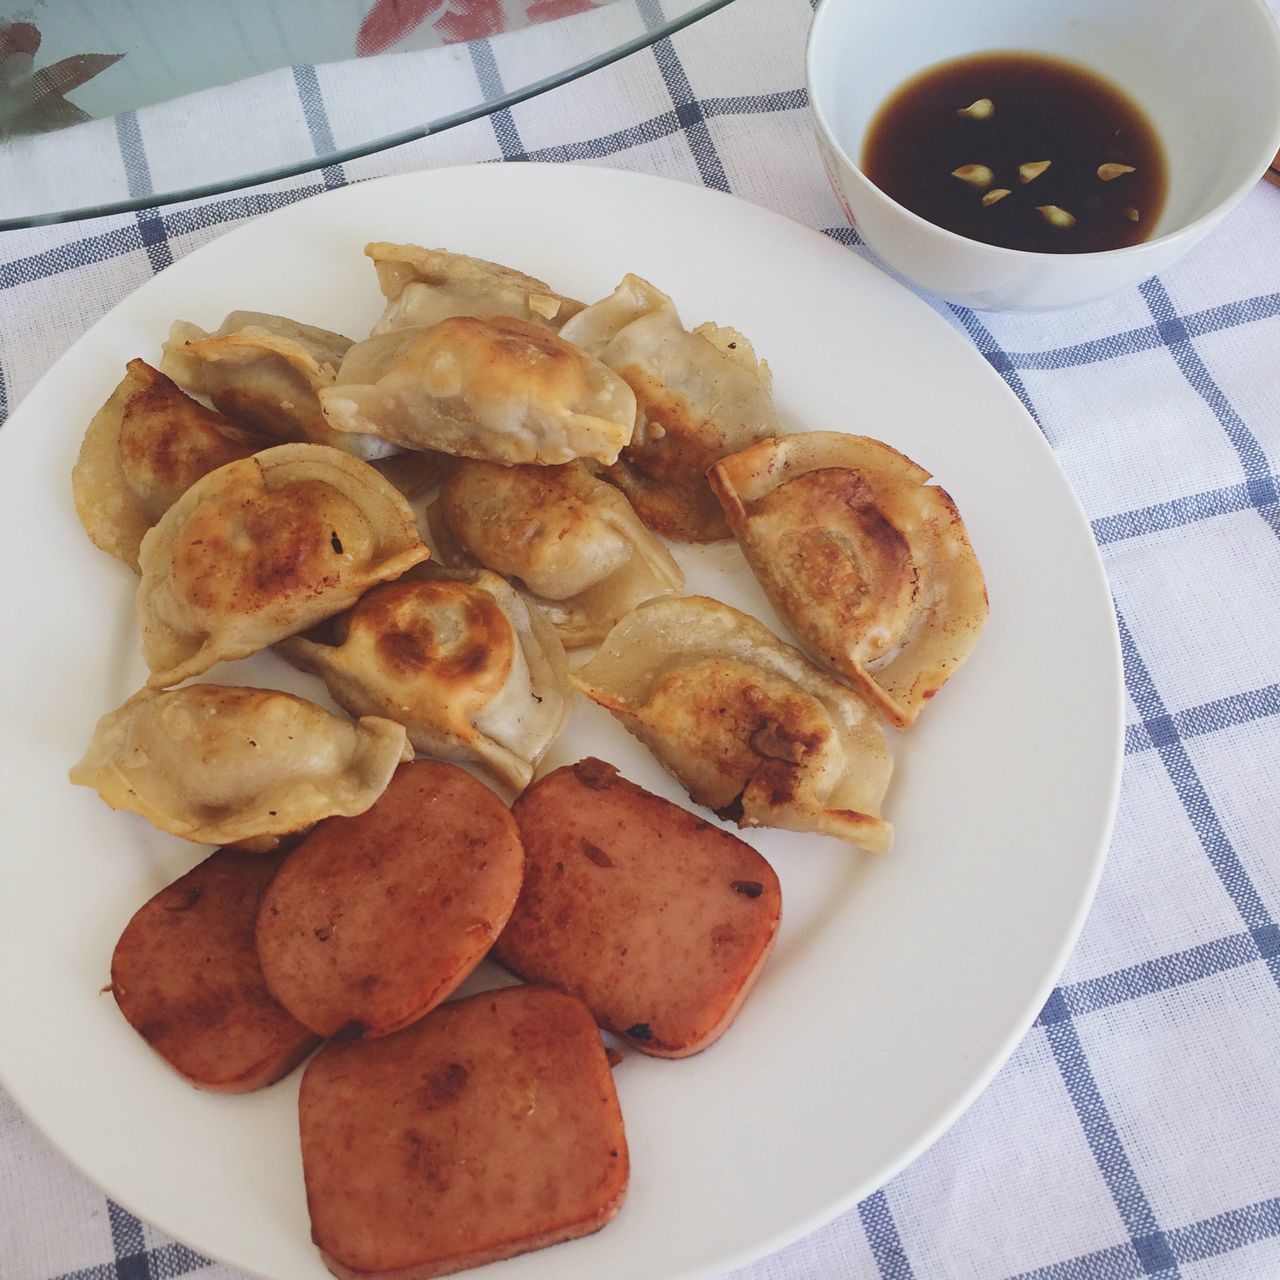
[(111, 105)]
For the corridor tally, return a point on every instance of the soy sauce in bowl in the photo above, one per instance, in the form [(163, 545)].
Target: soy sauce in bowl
[(1020, 150)]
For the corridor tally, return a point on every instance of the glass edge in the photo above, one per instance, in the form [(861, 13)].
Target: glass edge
[(386, 142)]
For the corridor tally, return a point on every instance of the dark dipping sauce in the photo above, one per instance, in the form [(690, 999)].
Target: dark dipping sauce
[(1041, 108)]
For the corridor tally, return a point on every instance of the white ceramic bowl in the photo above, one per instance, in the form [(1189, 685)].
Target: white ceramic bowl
[(1206, 72)]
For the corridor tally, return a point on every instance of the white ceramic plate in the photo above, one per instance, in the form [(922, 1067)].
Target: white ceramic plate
[(898, 985)]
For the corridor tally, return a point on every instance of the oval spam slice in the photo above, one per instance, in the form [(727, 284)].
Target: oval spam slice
[(489, 1128), (658, 920), (374, 920), (185, 974)]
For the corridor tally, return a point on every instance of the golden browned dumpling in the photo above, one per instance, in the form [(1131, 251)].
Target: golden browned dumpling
[(570, 539), (699, 395), (263, 548), (500, 389), (869, 564), (224, 765), (144, 448), (265, 371), (747, 725), (425, 286), (470, 670)]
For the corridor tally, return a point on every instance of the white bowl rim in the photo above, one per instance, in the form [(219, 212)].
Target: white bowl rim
[(1191, 229)]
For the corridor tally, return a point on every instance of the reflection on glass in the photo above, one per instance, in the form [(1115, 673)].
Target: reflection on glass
[(115, 104)]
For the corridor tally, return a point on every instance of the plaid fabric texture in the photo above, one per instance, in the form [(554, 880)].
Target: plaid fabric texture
[(1134, 1131)]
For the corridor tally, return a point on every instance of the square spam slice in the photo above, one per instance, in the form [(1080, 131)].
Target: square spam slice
[(185, 974), (657, 919), (489, 1128), (374, 920)]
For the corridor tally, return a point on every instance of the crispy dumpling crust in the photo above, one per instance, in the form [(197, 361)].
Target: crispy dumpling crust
[(263, 548), (224, 765), (870, 566), (144, 448), (746, 724), (265, 371), (425, 286), (499, 389), (700, 394), (571, 540), (472, 671)]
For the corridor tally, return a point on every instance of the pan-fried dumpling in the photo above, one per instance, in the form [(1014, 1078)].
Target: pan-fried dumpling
[(870, 565), (224, 765), (699, 396), (263, 548), (747, 725), (500, 389), (470, 670), (144, 448), (425, 286), (570, 539), (265, 371)]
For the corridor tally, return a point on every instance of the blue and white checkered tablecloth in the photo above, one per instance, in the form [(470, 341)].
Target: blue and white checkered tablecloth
[(1136, 1129)]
